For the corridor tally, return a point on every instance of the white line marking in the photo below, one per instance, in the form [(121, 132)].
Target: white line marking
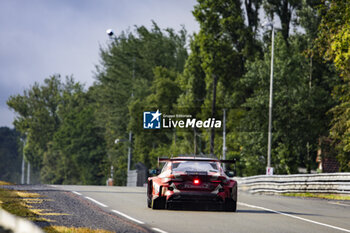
[(97, 202), (338, 203), (128, 217), (55, 186), (159, 230), (293, 216), (76, 193)]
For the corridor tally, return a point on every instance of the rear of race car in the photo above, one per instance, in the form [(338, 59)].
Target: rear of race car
[(193, 189)]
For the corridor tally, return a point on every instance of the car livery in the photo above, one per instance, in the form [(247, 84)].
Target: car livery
[(186, 181)]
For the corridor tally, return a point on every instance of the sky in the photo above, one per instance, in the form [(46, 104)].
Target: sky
[(40, 38)]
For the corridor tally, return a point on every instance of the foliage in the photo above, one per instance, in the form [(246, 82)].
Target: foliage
[(222, 50), (299, 108), (333, 42), (37, 116), (61, 137), (76, 154), (333, 38), (71, 132), (252, 8), (284, 9), (138, 73), (10, 155)]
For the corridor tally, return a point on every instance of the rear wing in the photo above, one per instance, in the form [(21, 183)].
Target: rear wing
[(164, 160)]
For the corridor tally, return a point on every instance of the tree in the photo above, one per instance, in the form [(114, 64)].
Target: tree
[(222, 50), (62, 140), (191, 99), (333, 44), (284, 10), (76, 155), (252, 8), (10, 155), (299, 110), (128, 82), (37, 116)]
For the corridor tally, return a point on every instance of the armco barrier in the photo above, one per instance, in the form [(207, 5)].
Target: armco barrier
[(17, 224), (132, 178), (312, 183)]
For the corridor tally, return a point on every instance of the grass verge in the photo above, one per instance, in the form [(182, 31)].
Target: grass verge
[(4, 183), (12, 202), (62, 229), (319, 195), (20, 203)]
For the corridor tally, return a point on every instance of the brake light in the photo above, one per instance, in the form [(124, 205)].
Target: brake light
[(196, 181)]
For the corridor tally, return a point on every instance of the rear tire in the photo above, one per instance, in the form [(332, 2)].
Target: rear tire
[(149, 202), (158, 203), (149, 194), (230, 205)]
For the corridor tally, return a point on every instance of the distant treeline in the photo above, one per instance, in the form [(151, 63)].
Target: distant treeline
[(10, 158), (71, 132)]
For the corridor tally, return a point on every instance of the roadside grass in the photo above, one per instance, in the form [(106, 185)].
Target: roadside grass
[(319, 195), (4, 183), (62, 229), (20, 203), (13, 203)]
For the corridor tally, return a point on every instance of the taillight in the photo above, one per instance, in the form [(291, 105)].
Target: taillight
[(196, 181), (220, 179), (215, 181)]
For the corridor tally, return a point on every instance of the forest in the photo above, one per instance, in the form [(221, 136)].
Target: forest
[(70, 130)]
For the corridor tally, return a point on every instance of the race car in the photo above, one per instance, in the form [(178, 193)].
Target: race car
[(192, 181)]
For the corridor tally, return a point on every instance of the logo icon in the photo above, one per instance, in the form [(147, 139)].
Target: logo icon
[(151, 120)]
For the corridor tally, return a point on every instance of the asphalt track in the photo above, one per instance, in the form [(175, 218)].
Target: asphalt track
[(255, 213)]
